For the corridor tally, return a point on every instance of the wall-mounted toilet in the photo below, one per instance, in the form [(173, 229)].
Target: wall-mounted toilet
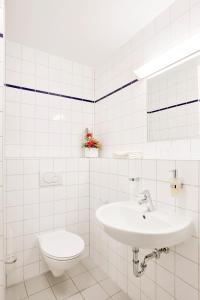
[(61, 250)]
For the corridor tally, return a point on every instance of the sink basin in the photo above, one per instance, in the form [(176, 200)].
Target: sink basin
[(128, 223)]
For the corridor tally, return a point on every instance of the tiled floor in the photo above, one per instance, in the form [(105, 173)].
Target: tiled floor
[(84, 282)]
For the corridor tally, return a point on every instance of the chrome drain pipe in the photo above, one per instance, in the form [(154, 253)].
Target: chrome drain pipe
[(139, 268), (136, 271)]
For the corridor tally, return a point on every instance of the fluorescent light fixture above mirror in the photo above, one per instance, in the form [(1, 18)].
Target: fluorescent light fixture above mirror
[(172, 56)]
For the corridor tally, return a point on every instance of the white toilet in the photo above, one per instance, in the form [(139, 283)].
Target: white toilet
[(61, 250)]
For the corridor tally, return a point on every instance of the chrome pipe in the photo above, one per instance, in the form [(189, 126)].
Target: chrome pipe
[(136, 268), (139, 268)]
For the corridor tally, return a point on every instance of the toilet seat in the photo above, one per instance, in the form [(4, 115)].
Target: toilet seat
[(61, 245)]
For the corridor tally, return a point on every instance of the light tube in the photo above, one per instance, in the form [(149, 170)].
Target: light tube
[(179, 52)]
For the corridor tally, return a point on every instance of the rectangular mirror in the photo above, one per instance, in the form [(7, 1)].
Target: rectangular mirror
[(173, 102)]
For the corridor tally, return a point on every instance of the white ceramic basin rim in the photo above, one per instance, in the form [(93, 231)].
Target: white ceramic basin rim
[(128, 223)]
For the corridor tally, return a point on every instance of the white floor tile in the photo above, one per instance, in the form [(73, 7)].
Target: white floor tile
[(120, 296), (83, 281), (95, 292), (64, 289), (16, 292), (88, 263), (55, 280), (98, 274), (44, 295), (76, 297), (76, 270), (36, 284), (161, 294), (144, 297), (109, 286)]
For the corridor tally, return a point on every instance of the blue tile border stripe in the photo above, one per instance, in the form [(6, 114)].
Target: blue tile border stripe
[(91, 101), (1, 35), (70, 97), (172, 106), (117, 90), (45, 92)]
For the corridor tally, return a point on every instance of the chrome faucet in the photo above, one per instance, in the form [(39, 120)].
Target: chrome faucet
[(145, 198)]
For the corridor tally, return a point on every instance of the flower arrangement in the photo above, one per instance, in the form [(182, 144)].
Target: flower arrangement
[(90, 141)]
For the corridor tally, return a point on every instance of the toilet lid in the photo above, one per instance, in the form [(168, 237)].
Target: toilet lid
[(61, 244)]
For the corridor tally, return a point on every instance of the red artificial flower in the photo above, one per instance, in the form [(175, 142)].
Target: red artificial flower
[(90, 141), (90, 144), (89, 135)]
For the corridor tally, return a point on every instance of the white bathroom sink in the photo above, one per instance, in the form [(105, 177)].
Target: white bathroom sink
[(128, 223)]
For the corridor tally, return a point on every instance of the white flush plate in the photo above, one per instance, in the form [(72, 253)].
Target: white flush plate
[(50, 178)]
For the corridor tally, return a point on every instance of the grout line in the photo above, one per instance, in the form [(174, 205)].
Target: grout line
[(165, 290), (51, 287), (39, 291), (25, 288), (187, 283), (84, 288)]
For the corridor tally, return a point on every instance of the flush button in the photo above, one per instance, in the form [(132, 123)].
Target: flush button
[(50, 178)]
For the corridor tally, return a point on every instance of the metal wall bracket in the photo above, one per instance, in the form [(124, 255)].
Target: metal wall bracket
[(134, 179), (10, 259)]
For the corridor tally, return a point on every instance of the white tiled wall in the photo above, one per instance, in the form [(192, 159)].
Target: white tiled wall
[(121, 125), (121, 118), (42, 125), (174, 276), (31, 209), (2, 271), (44, 133)]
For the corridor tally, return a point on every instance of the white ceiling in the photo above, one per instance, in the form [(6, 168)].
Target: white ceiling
[(87, 31)]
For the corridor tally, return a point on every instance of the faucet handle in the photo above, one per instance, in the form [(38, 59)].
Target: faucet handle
[(146, 200), (141, 201), (142, 197)]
